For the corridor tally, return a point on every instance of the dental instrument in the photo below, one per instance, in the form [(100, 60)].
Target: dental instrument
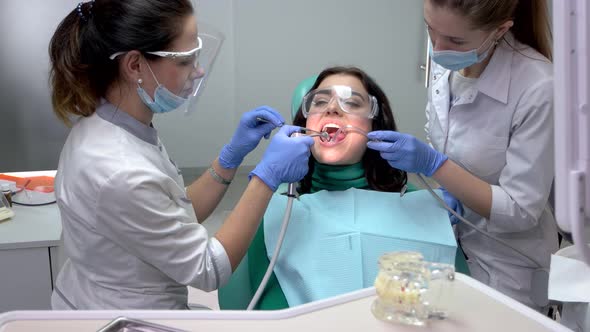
[(349, 128), (291, 194), (314, 133)]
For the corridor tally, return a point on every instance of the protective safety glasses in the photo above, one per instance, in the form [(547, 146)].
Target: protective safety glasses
[(348, 100), (167, 54), (192, 53)]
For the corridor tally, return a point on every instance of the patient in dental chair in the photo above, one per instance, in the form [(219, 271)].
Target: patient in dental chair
[(343, 204)]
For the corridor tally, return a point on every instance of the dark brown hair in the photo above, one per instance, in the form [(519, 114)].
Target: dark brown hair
[(380, 176), (79, 51), (531, 18)]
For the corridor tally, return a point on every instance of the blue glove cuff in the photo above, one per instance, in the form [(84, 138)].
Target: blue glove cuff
[(260, 171), (228, 158), (459, 210), (439, 160)]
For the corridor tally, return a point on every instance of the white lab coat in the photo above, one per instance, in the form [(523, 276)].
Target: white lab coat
[(129, 230), (501, 130)]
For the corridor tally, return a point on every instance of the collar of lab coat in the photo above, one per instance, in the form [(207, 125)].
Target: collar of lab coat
[(119, 118), (495, 79)]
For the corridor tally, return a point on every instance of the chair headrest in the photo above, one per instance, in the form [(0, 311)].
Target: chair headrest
[(300, 91)]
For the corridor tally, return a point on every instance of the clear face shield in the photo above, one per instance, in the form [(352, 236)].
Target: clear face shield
[(348, 100), (211, 43), (198, 61)]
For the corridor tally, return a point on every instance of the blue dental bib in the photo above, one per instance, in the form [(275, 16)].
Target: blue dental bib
[(335, 238)]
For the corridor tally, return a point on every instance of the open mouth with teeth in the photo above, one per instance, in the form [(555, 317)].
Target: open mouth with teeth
[(335, 133)]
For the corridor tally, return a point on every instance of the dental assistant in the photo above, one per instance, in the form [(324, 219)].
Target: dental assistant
[(131, 229), (490, 129)]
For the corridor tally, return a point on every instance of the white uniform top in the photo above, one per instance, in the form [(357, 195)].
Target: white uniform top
[(129, 230), (501, 130)]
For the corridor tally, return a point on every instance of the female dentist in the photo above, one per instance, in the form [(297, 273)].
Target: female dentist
[(490, 127), (131, 230)]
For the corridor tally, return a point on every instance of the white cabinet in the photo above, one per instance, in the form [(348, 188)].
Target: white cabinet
[(25, 279)]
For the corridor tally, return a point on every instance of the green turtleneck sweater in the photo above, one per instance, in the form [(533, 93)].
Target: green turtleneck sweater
[(324, 177), (338, 178)]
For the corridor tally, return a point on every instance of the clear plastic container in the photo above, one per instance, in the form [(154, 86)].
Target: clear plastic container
[(410, 290)]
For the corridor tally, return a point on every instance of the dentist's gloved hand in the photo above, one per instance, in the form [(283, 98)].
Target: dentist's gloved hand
[(249, 133), (285, 160), (406, 152), (454, 204)]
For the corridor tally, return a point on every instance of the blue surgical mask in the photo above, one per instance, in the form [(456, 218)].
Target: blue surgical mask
[(457, 60), (164, 101)]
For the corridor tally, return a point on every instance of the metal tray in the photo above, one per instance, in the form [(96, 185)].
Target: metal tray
[(124, 324)]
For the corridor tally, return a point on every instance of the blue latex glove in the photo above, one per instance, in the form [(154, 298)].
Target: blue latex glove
[(406, 152), (285, 160), (249, 133), (454, 204)]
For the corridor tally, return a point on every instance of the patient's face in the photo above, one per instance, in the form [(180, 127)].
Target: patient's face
[(347, 148)]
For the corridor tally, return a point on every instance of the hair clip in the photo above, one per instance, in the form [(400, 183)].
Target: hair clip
[(81, 12)]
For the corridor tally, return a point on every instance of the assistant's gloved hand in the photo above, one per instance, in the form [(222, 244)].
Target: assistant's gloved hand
[(285, 160), (406, 152), (454, 204), (249, 133)]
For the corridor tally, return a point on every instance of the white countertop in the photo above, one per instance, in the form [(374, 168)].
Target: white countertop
[(38, 226)]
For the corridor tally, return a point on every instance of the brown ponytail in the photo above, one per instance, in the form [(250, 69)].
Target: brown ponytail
[(531, 26), (531, 18), (71, 91)]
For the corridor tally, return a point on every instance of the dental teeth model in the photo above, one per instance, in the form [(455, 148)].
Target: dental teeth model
[(397, 292)]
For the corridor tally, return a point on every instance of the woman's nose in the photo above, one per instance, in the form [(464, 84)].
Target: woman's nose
[(197, 73), (333, 106), (436, 43)]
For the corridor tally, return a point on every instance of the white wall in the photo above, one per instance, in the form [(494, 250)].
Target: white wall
[(32, 136), (272, 45)]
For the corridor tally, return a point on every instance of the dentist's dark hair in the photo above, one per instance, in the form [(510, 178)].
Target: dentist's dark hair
[(81, 71), (531, 18), (380, 175)]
